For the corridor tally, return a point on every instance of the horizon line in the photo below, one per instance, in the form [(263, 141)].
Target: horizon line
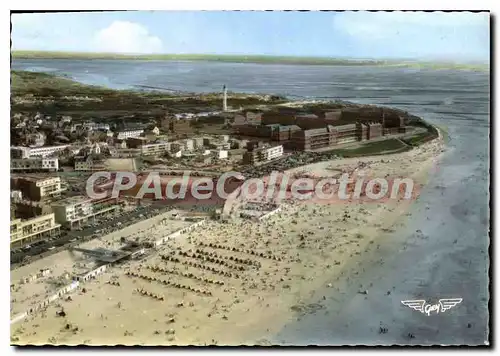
[(254, 55)]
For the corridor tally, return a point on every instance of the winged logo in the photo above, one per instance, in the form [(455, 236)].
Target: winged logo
[(449, 303), (421, 306), (417, 305)]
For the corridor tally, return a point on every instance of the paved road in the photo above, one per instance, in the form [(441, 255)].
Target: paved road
[(73, 238)]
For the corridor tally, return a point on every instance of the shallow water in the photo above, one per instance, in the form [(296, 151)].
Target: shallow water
[(451, 260)]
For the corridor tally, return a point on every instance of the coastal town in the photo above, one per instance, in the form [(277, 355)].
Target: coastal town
[(190, 255), (258, 179)]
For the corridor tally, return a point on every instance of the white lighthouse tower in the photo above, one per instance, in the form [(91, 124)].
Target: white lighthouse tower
[(224, 98)]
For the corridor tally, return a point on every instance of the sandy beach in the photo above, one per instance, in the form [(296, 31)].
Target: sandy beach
[(225, 283)]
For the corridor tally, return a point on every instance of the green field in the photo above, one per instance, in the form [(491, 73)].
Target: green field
[(263, 59), (35, 83), (420, 138), (391, 145), (194, 57)]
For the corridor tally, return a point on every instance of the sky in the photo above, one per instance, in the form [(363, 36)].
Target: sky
[(460, 37)]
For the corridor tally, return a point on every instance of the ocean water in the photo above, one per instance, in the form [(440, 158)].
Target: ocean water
[(447, 259)]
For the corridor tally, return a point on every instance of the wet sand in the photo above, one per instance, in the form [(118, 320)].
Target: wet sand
[(299, 251)]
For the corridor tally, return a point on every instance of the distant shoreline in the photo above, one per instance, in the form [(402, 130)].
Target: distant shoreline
[(256, 59)]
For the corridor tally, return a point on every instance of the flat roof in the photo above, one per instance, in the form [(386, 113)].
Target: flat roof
[(129, 129), (48, 147), (313, 132), (289, 127), (34, 148), (307, 116), (35, 178), (345, 127), (71, 200), (35, 159), (103, 255)]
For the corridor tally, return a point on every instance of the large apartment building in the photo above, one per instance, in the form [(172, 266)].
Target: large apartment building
[(28, 152), (326, 136), (275, 132), (24, 232), (283, 118), (283, 133), (147, 149), (87, 164), (122, 135), (309, 121), (263, 154), (362, 131), (313, 138), (345, 133), (155, 149), (375, 130), (73, 211), (34, 164), (393, 120), (305, 121), (254, 130), (36, 189), (273, 152), (27, 209)]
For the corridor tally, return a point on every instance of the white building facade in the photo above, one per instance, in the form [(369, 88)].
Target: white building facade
[(221, 154), (274, 152), (154, 149), (28, 152), (34, 164), (72, 209), (122, 135)]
